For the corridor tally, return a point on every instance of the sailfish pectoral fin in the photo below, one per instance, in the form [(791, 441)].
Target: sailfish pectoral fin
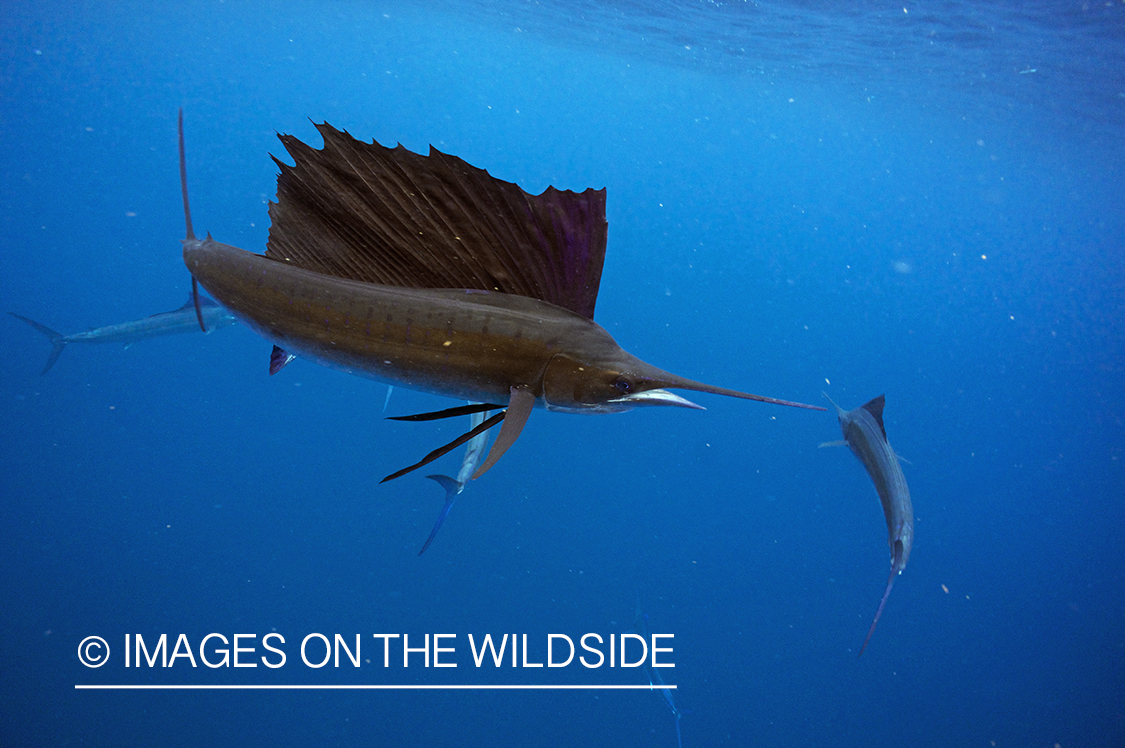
[(519, 408), (488, 423)]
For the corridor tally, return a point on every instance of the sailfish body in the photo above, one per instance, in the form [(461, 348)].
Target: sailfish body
[(426, 272), (425, 339)]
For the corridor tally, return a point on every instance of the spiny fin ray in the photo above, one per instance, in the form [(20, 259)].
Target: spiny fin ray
[(365, 212)]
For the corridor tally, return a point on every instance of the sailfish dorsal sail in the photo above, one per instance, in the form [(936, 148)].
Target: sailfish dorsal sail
[(369, 213)]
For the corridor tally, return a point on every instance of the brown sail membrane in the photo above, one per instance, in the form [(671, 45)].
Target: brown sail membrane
[(390, 216)]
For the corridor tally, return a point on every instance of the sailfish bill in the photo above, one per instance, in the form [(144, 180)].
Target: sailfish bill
[(428, 273)]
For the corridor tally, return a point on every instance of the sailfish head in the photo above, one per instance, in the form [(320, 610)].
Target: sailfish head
[(598, 376)]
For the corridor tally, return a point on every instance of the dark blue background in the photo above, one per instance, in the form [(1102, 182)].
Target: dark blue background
[(772, 170)]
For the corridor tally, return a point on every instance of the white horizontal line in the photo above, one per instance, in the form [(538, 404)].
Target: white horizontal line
[(380, 687)]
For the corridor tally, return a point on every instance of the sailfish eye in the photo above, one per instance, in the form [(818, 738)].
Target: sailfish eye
[(624, 385)]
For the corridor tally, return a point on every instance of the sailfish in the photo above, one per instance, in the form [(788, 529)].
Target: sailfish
[(866, 436), (474, 453), (429, 273), (180, 320)]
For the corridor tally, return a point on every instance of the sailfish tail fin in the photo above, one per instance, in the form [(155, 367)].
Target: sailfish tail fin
[(452, 489), (58, 340)]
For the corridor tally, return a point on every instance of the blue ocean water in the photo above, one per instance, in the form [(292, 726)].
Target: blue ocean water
[(922, 199)]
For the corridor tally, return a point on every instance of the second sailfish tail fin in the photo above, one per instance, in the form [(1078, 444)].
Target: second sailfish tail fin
[(58, 340)]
